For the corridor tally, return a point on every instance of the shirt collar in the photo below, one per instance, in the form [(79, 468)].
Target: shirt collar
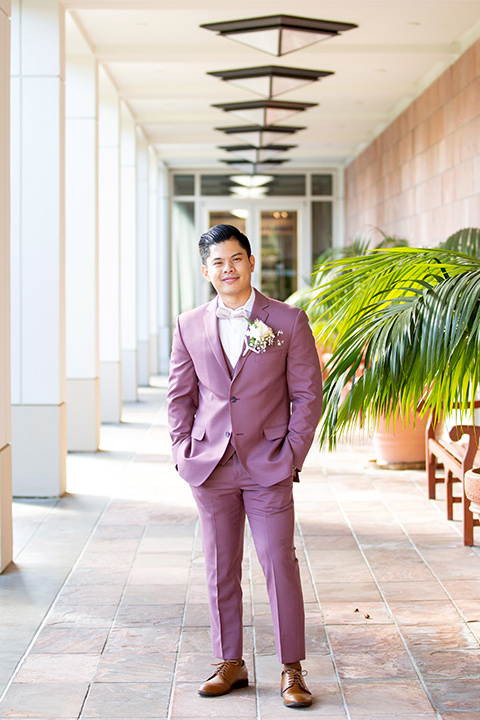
[(248, 305)]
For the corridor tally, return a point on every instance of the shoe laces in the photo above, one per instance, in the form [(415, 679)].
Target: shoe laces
[(224, 667), (295, 677)]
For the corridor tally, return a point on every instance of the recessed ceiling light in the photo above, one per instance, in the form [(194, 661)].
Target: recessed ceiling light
[(414, 23)]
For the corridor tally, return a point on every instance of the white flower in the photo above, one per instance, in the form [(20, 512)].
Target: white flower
[(259, 336)]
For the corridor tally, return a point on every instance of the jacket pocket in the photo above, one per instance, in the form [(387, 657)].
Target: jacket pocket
[(198, 433), (275, 432)]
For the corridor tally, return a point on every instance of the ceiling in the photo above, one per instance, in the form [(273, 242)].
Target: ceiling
[(158, 56)]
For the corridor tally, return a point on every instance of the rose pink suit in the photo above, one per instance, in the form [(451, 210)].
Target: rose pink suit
[(266, 409)]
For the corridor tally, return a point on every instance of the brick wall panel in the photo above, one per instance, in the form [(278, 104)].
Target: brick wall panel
[(424, 169)]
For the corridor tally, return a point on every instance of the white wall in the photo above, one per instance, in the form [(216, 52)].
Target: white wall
[(81, 190), (153, 260), (142, 261), (109, 249), (38, 249), (5, 424), (128, 242)]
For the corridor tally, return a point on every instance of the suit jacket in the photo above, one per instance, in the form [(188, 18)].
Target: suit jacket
[(269, 409)]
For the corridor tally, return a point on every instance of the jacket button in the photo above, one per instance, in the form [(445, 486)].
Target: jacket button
[(233, 399), (227, 434)]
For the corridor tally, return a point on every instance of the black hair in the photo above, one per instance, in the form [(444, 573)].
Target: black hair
[(218, 234)]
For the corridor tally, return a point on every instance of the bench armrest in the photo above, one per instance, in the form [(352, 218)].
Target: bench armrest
[(457, 432)]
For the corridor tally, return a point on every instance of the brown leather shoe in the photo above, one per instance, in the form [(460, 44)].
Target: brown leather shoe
[(294, 690), (229, 675)]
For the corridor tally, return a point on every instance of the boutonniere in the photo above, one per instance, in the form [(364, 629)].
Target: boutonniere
[(259, 337)]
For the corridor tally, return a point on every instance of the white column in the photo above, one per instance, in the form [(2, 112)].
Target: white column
[(38, 249), (142, 261), (5, 410), (128, 241), (109, 249), (81, 237), (164, 273), (152, 260)]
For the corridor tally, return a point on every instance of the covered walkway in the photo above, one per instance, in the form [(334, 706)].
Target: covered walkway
[(106, 615)]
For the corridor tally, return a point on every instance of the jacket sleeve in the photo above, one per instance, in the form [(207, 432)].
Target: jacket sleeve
[(182, 395), (304, 381)]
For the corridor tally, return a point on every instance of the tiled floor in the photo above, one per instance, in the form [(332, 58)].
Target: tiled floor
[(104, 614)]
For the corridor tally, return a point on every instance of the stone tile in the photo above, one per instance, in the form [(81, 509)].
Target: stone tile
[(434, 637), (196, 667), (424, 612), (136, 667), (43, 701), (345, 591), (187, 703), (149, 615), (159, 575), (428, 590), (143, 640), (463, 589), (61, 668), (127, 700), (319, 669), (94, 616), (70, 640), (460, 695), (154, 594), (350, 613), (162, 560), (451, 664), (367, 699), (87, 594), (327, 702), (373, 665)]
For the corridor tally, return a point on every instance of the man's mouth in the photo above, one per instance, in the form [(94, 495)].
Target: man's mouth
[(230, 278)]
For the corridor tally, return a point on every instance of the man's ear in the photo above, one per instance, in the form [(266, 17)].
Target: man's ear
[(205, 273), (252, 263)]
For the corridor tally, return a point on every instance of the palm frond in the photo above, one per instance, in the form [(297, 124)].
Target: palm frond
[(413, 317)]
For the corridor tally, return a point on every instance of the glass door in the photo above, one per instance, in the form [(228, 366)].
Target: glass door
[(278, 235), (278, 240), (283, 245)]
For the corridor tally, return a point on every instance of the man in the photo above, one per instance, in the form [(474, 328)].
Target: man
[(244, 402)]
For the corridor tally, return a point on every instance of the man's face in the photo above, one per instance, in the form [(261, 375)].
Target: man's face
[(230, 270)]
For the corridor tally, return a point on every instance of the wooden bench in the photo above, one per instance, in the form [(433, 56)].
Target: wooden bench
[(456, 457)]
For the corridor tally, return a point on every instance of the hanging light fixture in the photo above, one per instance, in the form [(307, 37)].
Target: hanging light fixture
[(244, 192), (270, 80), (279, 34), (251, 181), (260, 136), (248, 167), (256, 154), (264, 112)]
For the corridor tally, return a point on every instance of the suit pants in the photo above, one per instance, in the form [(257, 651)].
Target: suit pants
[(223, 501)]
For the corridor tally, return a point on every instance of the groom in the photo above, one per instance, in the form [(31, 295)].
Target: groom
[(242, 419)]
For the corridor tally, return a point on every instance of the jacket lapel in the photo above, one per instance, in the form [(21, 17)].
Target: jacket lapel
[(259, 312), (213, 336)]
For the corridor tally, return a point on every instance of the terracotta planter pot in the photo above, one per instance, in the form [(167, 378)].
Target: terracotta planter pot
[(472, 489), (402, 448)]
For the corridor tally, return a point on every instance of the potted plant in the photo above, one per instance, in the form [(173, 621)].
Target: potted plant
[(412, 316)]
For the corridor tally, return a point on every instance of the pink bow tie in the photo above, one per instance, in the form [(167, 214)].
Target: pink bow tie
[(224, 312)]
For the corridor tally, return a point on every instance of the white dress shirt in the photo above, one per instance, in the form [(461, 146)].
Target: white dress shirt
[(232, 331)]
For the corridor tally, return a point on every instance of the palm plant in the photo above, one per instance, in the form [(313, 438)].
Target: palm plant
[(412, 316), (317, 304)]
